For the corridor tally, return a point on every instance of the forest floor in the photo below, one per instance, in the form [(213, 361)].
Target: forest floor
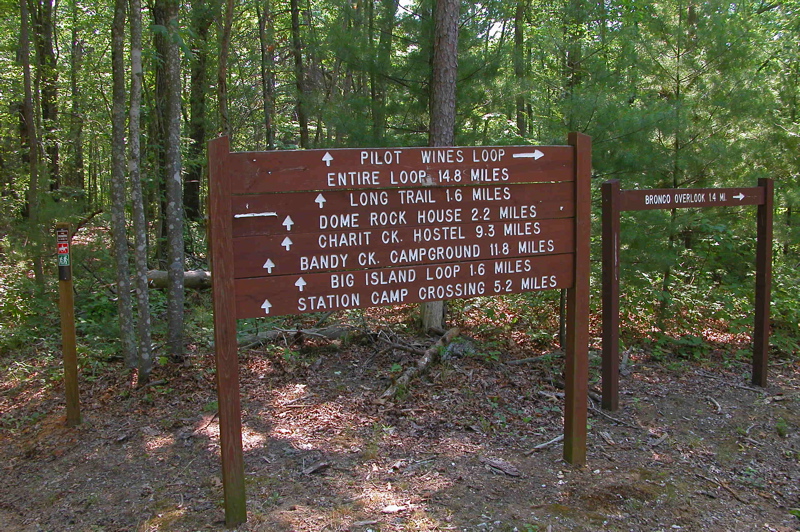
[(694, 446)]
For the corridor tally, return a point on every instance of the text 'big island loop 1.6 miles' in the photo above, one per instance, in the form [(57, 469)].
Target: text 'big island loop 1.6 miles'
[(324, 230)]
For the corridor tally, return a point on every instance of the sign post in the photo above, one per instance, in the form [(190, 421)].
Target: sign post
[(322, 230), (66, 307), (616, 200)]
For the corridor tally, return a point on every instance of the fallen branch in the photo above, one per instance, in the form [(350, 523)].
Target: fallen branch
[(192, 279), (430, 357), (544, 445)]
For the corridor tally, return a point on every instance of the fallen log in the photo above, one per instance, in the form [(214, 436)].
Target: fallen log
[(428, 359), (192, 279)]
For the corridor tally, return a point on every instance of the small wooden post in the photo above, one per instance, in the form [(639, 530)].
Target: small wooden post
[(610, 372), (66, 306), (225, 346), (577, 349), (763, 283)]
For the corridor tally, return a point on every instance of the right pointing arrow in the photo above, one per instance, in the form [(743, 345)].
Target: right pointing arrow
[(739, 196), (535, 155)]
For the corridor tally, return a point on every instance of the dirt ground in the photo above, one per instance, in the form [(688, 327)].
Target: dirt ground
[(694, 446)]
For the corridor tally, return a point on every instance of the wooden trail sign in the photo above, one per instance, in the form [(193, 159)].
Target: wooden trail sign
[(319, 230), (616, 200)]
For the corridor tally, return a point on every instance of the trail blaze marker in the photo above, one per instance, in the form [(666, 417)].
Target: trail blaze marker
[(320, 230), (616, 200)]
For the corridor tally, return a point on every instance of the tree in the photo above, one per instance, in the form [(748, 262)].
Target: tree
[(300, 74), (174, 183), (267, 70), (145, 362), (202, 16), (33, 199), (118, 224), (443, 108)]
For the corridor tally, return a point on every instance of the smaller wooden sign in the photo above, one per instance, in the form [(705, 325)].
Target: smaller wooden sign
[(616, 200)]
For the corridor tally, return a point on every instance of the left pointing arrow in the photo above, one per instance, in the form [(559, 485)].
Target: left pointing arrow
[(266, 305), (287, 243), (301, 283), (269, 265)]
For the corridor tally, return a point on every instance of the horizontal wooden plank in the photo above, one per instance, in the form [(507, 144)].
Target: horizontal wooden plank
[(683, 198), (319, 292), (351, 168), (266, 214), (259, 256)]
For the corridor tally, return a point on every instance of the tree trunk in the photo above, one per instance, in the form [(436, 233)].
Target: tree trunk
[(118, 231), (174, 188), (137, 199), (74, 176), (158, 131), (299, 72), (520, 68), (33, 202), (48, 75), (202, 17), (382, 68), (266, 40), (222, 72), (443, 109)]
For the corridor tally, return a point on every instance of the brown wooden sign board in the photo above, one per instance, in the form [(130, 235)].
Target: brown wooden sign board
[(616, 200), (320, 230), (322, 211)]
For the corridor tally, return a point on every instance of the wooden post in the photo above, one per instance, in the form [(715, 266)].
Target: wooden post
[(610, 191), (763, 283), (66, 306), (225, 346), (577, 349)]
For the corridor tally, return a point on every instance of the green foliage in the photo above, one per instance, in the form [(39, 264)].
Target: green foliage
[(688, 347)]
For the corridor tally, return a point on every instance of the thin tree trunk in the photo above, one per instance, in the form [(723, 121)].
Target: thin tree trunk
[(202, 17), (443, 108), (48, 74), (137, 198), (118, 231), (158, 132), (222, 72), (75, 176), (381, 69), (299, 71), (33, 201), (174, 188), (520, 68), (266, 40)]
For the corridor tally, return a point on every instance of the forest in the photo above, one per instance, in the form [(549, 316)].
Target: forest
[(107, 111)]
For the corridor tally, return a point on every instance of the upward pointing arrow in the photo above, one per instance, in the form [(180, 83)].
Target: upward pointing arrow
[(269, 265), (266, 305), (287, 243), (739, 196), (301, 283), (288, 223), (320, 200), (327, 158)]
